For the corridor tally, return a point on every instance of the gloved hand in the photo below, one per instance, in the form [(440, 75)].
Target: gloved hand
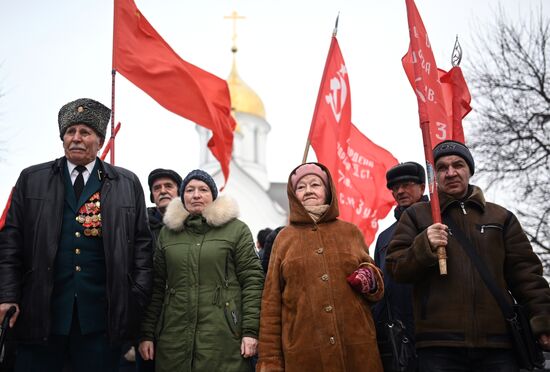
[(362, 280)]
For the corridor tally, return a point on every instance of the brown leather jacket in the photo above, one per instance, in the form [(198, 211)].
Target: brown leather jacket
[(458, 310)]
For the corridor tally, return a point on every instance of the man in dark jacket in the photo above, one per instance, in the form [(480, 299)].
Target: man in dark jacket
[(458, 324), (75, 252), (407, 183)]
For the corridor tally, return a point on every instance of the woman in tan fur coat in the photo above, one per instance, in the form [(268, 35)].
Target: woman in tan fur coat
[(320, 282)]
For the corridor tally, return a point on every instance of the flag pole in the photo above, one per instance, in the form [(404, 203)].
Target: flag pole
[(432, 188), (314, 119), (113, 131), (113, 75), (427, 142)]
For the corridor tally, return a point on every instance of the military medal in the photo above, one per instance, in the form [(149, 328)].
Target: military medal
[(89, 216)]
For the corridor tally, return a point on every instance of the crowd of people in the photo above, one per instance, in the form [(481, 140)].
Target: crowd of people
[(99, 282)]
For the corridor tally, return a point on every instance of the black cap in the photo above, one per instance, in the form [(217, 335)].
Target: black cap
[(450, 147), (408, 171), (162, 173)]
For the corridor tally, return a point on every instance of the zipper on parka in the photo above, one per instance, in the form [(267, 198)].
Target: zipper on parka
[(216, 296), (226, 279)]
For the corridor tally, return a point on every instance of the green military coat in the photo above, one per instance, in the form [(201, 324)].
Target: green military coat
[(207, 290)]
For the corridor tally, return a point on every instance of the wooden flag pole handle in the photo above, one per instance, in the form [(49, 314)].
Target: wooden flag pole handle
[(442, 259), (306, 150)]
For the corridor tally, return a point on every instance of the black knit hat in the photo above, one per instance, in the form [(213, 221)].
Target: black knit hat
[(163, 173), (450, 147), (200, 175), (84, 111), (408, 171)]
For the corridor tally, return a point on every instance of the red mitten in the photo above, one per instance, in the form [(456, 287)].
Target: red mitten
[(362, 280)]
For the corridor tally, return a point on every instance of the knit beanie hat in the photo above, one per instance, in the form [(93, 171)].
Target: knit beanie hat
[(200, 175), (306, 169), (84, 111), (450, 147), (162, 173), (408, 171)]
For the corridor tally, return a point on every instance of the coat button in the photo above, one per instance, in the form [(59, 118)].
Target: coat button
[(77, 234), (328, 309), (324, 277), (77, 268), (332, 340), (320, 250), (77, 251)]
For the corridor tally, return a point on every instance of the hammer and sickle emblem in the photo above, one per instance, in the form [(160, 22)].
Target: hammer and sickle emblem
[(338, 93)]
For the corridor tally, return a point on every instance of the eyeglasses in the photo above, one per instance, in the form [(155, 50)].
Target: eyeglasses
[(404, 185)]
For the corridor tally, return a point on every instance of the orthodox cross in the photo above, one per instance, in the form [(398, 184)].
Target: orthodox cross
[(234, 16)]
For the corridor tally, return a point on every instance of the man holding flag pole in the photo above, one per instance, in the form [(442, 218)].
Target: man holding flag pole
[(464, 320)]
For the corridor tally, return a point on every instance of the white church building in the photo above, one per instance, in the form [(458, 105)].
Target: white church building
[(262, 204)]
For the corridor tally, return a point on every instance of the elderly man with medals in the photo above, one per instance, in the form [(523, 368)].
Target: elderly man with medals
[(75, 253)]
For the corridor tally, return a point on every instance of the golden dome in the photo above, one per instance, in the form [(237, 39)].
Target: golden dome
[(243, 98)]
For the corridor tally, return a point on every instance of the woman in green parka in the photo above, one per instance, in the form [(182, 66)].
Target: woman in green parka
[(207, 286)]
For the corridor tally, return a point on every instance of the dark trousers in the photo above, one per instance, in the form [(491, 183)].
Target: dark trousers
[(454, 359), (84, 353)]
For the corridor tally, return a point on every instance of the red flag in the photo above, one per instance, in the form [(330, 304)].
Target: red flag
[(6, 208), (357, 164), (457, 99), (363, 198), (456, 96), (144, 58), (331, 121), (421, 69)]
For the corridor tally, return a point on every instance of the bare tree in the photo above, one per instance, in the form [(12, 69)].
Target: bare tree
[(510, 83)]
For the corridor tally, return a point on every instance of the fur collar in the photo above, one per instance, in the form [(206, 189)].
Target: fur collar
[(218, 213)]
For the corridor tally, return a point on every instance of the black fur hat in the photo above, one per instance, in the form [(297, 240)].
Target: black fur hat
[(84, 111), (403, 172)]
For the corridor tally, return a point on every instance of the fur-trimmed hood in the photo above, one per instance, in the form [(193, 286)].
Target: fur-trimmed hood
[(218, 213)]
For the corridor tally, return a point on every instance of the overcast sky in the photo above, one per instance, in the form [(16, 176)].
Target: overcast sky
[(52, 52)]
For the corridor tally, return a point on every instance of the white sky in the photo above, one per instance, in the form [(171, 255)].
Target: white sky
[(52, 52)]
